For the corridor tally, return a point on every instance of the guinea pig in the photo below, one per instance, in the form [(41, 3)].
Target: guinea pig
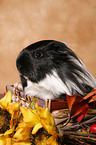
[(49, 69)]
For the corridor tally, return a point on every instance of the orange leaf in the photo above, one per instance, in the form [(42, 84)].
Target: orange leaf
[(91, 97), (77, 106), (70, 101)]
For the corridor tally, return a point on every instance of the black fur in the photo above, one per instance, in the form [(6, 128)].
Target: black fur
[(40, 58)]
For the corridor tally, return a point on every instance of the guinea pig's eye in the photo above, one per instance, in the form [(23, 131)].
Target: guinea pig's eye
[(38, 54)]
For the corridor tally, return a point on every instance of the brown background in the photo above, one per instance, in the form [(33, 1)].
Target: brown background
[(23, 22)]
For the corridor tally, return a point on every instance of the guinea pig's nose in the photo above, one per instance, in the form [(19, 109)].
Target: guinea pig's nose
[(18, 62), (22, 59), (18, 65)]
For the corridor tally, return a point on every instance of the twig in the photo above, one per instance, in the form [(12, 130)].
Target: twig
[(81, 134), (78, 124)]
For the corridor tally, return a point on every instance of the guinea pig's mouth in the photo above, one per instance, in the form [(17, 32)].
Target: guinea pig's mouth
[(26, 77)]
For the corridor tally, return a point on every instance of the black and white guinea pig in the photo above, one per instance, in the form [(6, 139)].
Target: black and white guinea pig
[(49, 69)]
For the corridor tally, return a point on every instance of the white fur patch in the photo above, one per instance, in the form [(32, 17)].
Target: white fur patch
[(52, 86), (48, 88)]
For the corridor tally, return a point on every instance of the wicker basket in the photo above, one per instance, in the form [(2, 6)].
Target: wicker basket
[(70, 131)]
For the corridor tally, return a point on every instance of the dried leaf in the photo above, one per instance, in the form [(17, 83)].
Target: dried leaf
[(77, 106)]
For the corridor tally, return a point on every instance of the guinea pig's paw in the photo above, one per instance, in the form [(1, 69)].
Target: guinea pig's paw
[(18, 86)]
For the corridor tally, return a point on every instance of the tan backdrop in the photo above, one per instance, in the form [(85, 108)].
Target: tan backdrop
[(23, 22)]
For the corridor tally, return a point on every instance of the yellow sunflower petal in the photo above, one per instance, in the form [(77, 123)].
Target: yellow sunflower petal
[(4, 140), (45, 114), (46, 119), (22, 143), (29, 116), (40, 110), (49, 117), (49, 128), (22, 134), (52, 141), (8, 141), (9, 131), (22, 125), (36, 128), (18, 134), (13, 107), (25, 124), (6, 99)]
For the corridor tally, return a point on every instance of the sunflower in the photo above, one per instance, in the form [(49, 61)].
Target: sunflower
[(23, 126), (37, 127), (47, 122), (9, 115)]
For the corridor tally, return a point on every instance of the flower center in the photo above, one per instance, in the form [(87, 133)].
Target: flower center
[(40, 137), (4, 120)]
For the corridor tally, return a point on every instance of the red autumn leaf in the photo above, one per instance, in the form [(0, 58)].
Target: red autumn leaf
[(84, 111), (72, 99), (77, 106), (93, 128)]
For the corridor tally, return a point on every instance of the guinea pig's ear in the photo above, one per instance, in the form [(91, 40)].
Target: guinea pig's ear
[(61, 49), (63, 52)]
